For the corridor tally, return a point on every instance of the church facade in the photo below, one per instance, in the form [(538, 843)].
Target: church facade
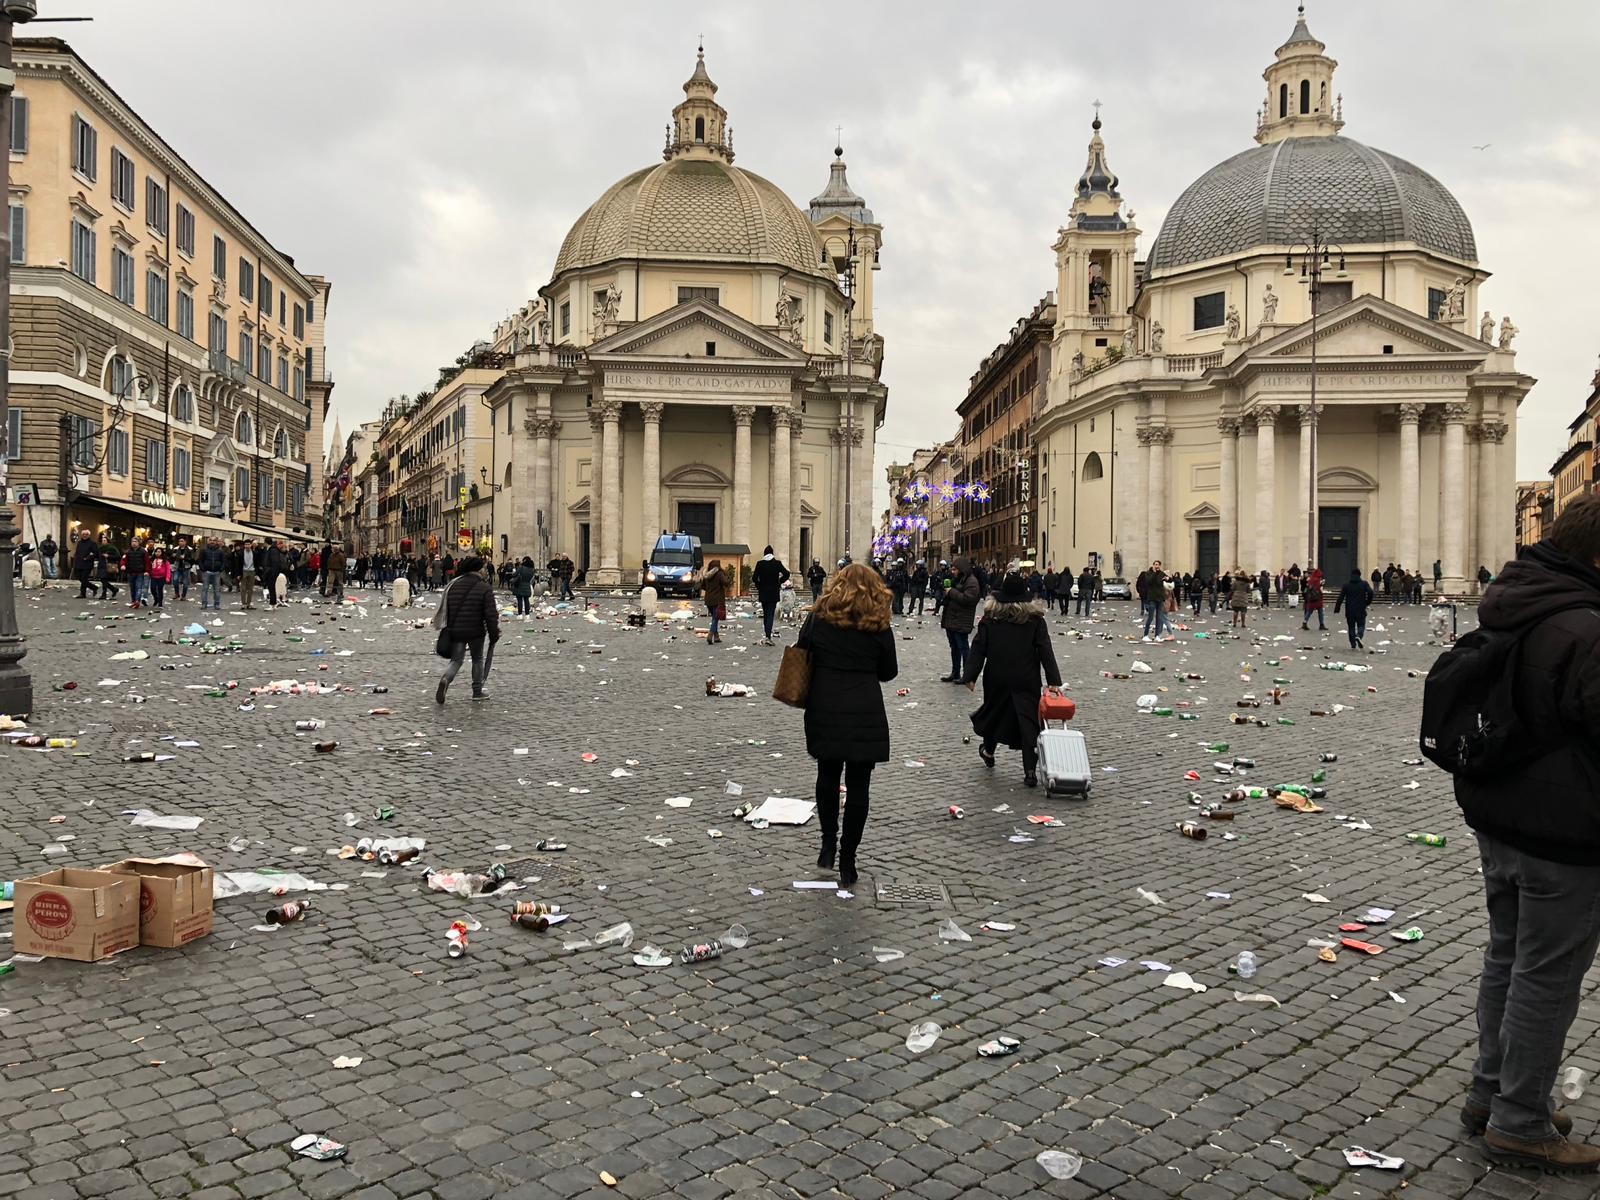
[(702, 360), (1301, 337)]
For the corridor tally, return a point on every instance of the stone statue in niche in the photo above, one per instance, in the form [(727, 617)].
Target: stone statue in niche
[(1455, 300), (1269, 306), (1099, 291), (1079, 365), (1486, 328), (1508, 333), (1128, 336), (606, 305), (791, 319), (1232, 322), (1157, 335)]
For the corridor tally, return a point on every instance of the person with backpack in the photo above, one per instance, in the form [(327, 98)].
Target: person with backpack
[(1511, 711), (469, 615), (1312, 599), (1355, 597), (769, 576)]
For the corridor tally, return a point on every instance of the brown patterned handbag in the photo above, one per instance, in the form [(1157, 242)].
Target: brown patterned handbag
[(793, 686)]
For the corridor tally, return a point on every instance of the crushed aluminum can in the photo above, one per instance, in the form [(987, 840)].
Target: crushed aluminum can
[(957, 812), (314, 1145), (701, 951), (999, 1047)]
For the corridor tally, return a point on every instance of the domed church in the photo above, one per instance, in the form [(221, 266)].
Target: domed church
[(702, 360), (1305, 334)]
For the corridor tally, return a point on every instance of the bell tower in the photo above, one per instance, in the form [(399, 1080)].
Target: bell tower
[(699, 126), (1300, 98), (1094, 266)]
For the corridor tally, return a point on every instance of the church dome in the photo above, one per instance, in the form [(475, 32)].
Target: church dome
[(1270, 196), (699, 208)]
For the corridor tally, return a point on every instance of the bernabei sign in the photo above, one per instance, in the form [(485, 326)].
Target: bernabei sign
[(156, 499)]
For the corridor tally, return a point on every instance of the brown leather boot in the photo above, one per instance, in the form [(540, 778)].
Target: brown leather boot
[(1475, 1119), (1556, 1155)]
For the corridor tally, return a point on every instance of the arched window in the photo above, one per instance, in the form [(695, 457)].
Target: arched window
[(508, 475), (280, 444), (1283, 99), (699, 129), (1305, 95), (1092, 467), (242, 430)]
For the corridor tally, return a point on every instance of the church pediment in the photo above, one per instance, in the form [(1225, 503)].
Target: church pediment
[(685, 330), (1363, 327), (1203, 512)]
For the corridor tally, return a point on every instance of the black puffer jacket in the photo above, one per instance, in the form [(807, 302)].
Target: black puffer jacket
[(845, 717), (470, 610), (1551, 807), (1010, 650)]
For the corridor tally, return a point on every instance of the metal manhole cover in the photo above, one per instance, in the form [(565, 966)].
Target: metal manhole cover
[(914, 893)]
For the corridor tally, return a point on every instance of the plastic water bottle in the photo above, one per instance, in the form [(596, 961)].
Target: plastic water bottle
[(1245, 966)]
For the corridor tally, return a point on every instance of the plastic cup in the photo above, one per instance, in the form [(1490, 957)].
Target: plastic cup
[(1060, 1164), (922, 1036), (737, 937)]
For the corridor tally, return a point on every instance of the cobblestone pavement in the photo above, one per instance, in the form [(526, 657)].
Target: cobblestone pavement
[(780, 1070)]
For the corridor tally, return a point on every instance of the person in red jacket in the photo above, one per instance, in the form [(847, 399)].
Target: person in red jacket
[(1313, 600)]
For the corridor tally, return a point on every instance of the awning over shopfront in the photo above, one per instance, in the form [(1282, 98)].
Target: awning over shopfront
[(188, 522), (287, 535)]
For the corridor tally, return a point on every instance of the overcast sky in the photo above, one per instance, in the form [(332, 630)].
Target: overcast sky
[(430, 167)]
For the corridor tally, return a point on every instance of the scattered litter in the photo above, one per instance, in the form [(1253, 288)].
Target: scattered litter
[(997, 927), (1397, 997), (887, 954), (1571, 1082), (1358, 1157), (145, 818), (949, 931), (1182, 979), (999, 1047), (314, 1145), (1146, 894), (344, 1062), (1113, 962), (1314, 897), (922, 1037), (782, 810), (678, 801), (652, 956), (1060, 1164), (1257, 998)]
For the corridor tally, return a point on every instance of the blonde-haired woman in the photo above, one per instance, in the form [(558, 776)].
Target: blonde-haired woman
[(847, 729)]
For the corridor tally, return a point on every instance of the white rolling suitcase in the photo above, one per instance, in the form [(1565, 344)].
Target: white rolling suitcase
[(1064, 763)]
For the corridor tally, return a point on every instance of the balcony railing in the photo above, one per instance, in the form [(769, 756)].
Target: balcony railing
[(1098, 321), (220, 364), (1193, 364), (568, 359)]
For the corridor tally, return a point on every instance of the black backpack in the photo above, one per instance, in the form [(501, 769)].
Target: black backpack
[(1470, 723)]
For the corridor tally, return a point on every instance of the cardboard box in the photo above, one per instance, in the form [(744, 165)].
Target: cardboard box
[(83, 915), (174, 900)]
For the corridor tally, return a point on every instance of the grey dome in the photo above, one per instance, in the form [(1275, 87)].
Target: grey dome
[(1270, 196)]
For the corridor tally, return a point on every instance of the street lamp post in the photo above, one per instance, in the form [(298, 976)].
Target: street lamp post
[(1315, 256), (849, 275), (16, 686)]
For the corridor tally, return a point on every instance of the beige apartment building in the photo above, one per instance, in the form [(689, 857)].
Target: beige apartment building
[(167, 373)]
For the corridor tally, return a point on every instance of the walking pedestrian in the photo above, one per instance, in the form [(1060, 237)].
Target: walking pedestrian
[(961, 598), (182, 559), (522, 586), (84, 556), (1239, 598), (247, 574), (467, 609), (1152, 585), (1010, 650), (1313, 600), (919, 590), (899, 580), (1539, 844), (333, 563), (160, 576), (852, 653), (49, 554), (815, 575), (714, 591), (1355, 597), (212, 562), (1087, 583), (769, 576), (136, 570), (104, 559), (1197, 591)]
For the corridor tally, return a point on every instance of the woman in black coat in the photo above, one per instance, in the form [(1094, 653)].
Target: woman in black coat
[(847, 729), (1011, 648), (467, 609)]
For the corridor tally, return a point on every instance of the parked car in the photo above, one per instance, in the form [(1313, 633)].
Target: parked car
[(1116, 589)]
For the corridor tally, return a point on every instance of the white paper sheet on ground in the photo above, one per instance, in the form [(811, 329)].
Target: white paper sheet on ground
[(244, 883), (816, 884), (783, 810), (1256, 998), (1356, 1156), (1182, 979), (149, 820), (678, 801)]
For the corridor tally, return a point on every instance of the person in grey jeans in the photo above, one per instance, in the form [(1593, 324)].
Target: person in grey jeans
[(1537, 821), (212, 562)]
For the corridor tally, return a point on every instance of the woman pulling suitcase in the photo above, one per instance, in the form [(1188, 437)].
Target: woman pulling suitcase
[(1010, 649)]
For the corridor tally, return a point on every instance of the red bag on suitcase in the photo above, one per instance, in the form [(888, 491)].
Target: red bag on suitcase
[(1055, 705)]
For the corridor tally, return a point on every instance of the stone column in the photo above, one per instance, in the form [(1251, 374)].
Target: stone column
[(596, 488), (796, 431), (743, 414), (836, 517), (1244, 554), (863, 507), (1453, 511), (1410, 549), (1155, 439), (778, 494), (1134, 527), (1227, 537), (543, 429), (1307, 554), (1268, 546), (650, 484), (611, 495), (1490, 517)]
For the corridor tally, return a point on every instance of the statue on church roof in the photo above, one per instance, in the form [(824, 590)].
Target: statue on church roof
[(606, 305), (1455, 300), (1486, 328), (1269, 306), (1233, 323), (1157, 334), (1508, 333), (791, 319)]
